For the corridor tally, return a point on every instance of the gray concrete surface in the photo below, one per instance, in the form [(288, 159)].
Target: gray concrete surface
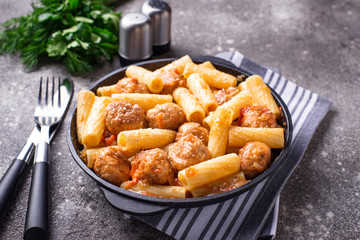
[(314, 43)]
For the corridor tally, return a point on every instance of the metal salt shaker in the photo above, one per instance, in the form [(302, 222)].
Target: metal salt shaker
[(135, 38), (160, 14)]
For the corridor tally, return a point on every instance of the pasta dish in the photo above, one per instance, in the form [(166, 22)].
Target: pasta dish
[(184, 130)]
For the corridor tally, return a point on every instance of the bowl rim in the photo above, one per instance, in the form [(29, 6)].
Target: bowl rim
[(187, 202)]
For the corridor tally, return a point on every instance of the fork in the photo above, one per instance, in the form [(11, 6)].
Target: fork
[(47, 114)]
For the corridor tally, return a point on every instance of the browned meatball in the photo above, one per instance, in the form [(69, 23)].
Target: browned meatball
[(224, 95), (195, 129), (130, 85), (257, 116), (152, 167), (165, 116), (122, 115), (255, 157), (172, 79), (112, 166), (188, 151)]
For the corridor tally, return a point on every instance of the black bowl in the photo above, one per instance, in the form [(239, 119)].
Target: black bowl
[(138, 204)]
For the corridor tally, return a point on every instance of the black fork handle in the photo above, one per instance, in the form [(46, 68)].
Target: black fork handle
[(14, 173), (36, 224)]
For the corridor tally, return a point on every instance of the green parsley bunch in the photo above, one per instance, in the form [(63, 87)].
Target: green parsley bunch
[(79, 33)]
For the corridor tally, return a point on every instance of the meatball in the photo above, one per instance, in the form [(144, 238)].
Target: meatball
[(188, 151), (257, 116), (165, 116), (255, 157), (195, 129), (122, 115), (224, 95), (172, 79), (152, 167), (130, 85), (112, 166)]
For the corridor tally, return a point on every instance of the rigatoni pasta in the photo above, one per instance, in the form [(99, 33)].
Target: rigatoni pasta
[(146, 101), (213, 77), (145, 138), (178, 64), (202, 91), (163, 191), (95, 124), (106, 91), (227, 183), (207, 64), (84, 104), (273, 137), (261, 93), (152, 80), (191, 106), (209, 171), (219, 131)]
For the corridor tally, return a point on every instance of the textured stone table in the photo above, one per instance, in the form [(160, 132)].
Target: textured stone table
[(314, 43)]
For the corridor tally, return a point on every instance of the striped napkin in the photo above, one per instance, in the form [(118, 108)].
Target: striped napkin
[(252, 215)]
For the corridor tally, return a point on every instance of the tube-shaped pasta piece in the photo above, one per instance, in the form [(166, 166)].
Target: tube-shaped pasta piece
[(84, 104), (106, 91), (219, 132), (209, 171), (207, 64), (218, 186), (156, 190), (179, 64), (145, 138), (207, 121), (191, 106), (273, 137), (151, 79), (213, 77), (261, 93), (146, 101), (95, 124), (202, 91), (235, 104)]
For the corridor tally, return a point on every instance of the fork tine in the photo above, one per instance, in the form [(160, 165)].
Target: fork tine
[(59, 95), (47, 91), (52, 91), (40, 91)]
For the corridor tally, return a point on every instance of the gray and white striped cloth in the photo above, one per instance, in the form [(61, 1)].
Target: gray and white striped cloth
[(245, 216)]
